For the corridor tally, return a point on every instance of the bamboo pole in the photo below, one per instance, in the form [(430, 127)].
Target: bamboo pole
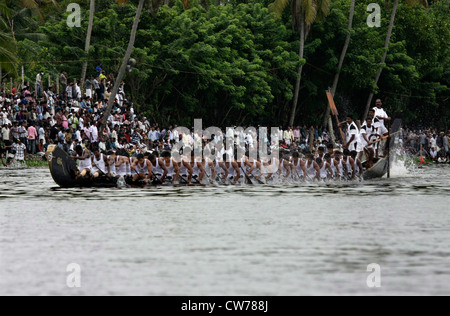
[(389, 151), (57, 85), (311, 139), (22, 78)]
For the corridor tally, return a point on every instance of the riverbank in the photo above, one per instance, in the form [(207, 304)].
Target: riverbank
[(36, 161), (31, 161)]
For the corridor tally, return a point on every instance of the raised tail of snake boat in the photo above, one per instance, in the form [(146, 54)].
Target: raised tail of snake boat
[(64, 171)]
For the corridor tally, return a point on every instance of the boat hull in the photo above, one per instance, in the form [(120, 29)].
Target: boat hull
[(64, 170), (381, 167), (377, 171)]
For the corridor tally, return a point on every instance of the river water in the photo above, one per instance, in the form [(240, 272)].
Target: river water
[(308, 240)]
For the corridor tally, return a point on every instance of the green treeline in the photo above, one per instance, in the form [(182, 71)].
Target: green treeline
[(234, 62)]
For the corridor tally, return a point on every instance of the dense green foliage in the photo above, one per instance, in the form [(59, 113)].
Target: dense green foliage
[(237, 63)]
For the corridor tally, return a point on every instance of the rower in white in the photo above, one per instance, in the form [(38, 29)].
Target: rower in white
[(85, 162), (368, 135), (312, 168), (358, 164), (159, 170), (230, 169), (349, 166), (173, 171), (100, 167), (298, 167), (142, 168)]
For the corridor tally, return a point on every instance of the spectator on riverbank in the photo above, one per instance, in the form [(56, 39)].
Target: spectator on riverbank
[(74, 118), (19, 150), (32, 136)]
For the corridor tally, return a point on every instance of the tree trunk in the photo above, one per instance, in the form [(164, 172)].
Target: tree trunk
[(383, 59), (300, 69), (88, 43), (22, 77), (123, 67), (328, 121)]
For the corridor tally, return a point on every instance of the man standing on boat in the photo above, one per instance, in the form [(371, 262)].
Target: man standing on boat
[(381, 114), (352, 134), (368, 135)]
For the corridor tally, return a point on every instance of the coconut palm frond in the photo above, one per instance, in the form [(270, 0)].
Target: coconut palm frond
[(5, 11), (35, 37), (310, 10), (423, 3), (323, 9), (278, 7), (8, 57)]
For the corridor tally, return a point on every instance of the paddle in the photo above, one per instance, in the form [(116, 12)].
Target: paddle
[(155, 181), (335, 113), (141, 178), (191, 180), (245, 175), (385, 137), (182, 178), (296, 171)]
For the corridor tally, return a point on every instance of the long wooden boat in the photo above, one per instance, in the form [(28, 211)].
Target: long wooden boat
[(63, 169)]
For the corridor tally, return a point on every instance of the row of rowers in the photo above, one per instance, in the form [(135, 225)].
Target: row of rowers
[(149, 167)]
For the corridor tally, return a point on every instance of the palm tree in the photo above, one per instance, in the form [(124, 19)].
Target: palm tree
[(424, 3), (8, 59), (88, 42), (328, 120), (18, 16), (383, 58), (8, 49), (123, 67), (304, 14)]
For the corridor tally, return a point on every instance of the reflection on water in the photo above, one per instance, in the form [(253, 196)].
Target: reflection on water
[(235, 240)]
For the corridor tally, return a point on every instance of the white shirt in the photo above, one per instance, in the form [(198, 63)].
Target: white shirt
[(433, 153), (176, 136), (78, 136), (38, 79), (368, 131), (94, 133), (380, 113), (352, 130), (433, 142), (5, 133)]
